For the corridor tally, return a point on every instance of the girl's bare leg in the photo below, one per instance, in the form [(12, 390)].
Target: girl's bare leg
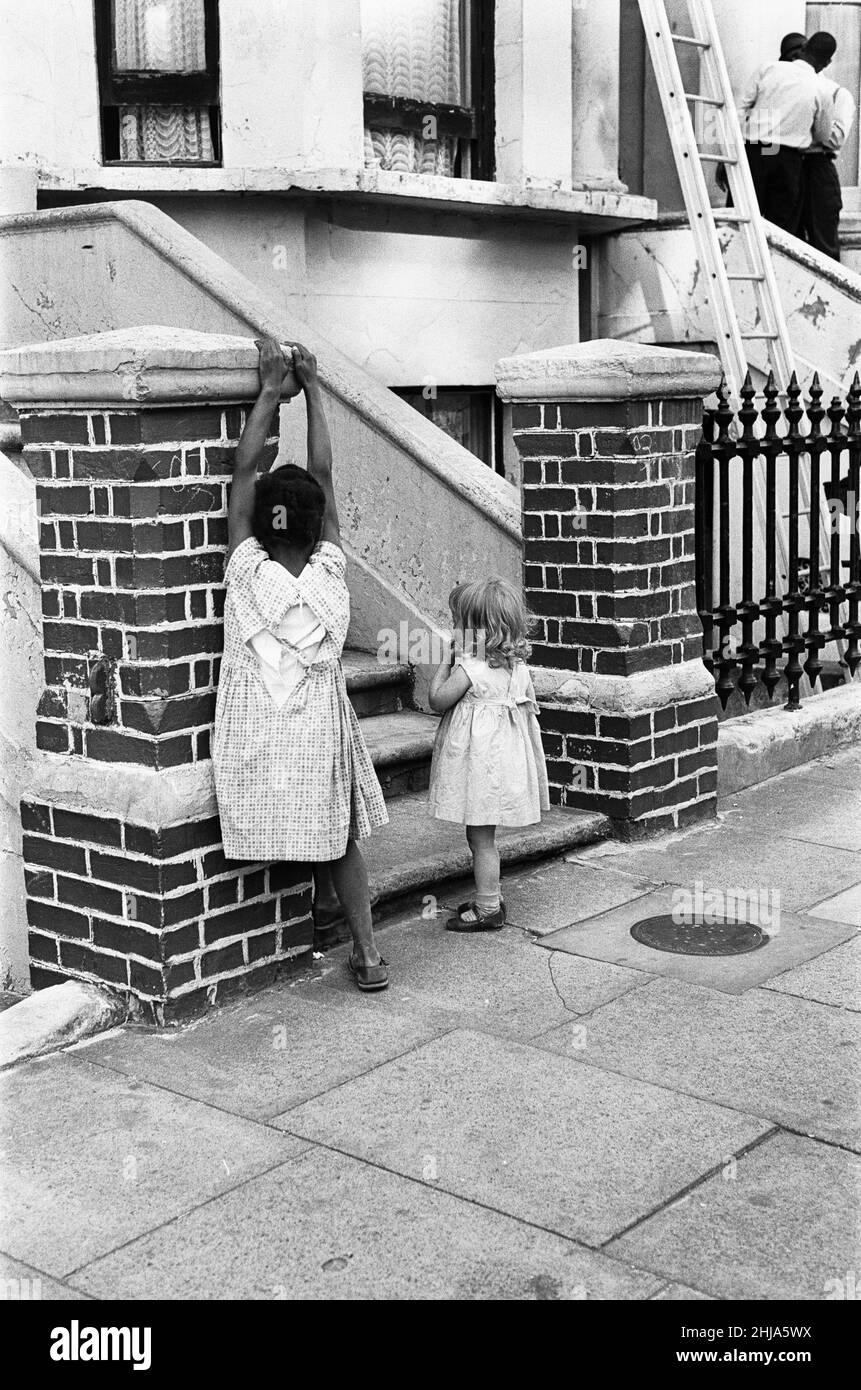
[(485, 862), (350, 879)]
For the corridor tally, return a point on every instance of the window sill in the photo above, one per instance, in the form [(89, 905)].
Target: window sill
[(598, 205)]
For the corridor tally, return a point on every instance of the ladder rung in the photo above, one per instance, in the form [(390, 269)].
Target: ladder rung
[(705, 101), (745, 277), (719, 158), (768, 336), (689, 38), (728, 215)]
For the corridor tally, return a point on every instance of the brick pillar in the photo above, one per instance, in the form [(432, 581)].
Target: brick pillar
[(130, 436), (606, 433)]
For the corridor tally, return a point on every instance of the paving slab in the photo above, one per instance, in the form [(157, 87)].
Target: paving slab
[(496, 980), (785, 1226), (20, 1282), (260, 1055), (680, 1293), (730, 855), (544, 899), (608, 937), (328, 1227), (842, 907), (571, 1149), (762, 1053), (811, 810), (832, 978), (838, 769), (92, 1159)]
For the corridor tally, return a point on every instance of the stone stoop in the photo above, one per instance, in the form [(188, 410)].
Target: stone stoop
[(413, 853)]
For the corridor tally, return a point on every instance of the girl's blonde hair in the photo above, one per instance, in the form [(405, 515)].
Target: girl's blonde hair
[(494, 621)]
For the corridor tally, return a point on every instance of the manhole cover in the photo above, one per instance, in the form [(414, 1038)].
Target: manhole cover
[(698, 938)]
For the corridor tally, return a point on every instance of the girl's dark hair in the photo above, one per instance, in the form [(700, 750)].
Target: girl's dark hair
[(288, 508)]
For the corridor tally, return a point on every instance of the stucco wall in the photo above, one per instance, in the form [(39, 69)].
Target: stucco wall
[(20, 688), (291, 92), (410, 296), (651, 290)]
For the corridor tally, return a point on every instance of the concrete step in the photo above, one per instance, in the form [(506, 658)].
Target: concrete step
[(414, 853), (375, 687), (400, 746)]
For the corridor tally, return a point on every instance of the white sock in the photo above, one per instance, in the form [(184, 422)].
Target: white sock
[(487, 903)]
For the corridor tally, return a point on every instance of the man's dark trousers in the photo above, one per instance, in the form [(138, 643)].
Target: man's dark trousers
[(776, 171), (821, 202)]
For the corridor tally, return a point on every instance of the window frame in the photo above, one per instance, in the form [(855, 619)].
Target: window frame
[(474, 124), (153, 88), (487, 394)]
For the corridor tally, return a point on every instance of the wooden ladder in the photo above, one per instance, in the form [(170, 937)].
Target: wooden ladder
[(757, 270)]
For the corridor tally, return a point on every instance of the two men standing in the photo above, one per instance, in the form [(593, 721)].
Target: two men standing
[(794, 121)]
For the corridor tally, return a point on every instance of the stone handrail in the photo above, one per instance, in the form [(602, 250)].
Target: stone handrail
[(378, 407)]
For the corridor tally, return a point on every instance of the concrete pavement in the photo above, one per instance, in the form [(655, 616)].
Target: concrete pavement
[(553, 1111)]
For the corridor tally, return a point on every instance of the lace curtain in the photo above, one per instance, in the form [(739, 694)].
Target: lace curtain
[(162, 36), (411, 49)]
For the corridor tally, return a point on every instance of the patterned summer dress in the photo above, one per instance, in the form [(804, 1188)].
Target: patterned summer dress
[(488, 763), (293, 777)]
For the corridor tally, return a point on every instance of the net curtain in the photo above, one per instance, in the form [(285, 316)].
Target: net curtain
[(412, 50), (163, 36)]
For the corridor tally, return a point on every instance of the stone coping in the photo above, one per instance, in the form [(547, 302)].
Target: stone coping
[(131, 366), (135, 795), (600, 203), (624, 695), (606, 369), (766, 742)]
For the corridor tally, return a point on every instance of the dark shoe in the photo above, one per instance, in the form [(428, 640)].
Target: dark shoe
[(369, 978), (469, 919)]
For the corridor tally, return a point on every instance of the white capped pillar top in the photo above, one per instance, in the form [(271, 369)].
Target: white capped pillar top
[(606, 370), (130, 366)]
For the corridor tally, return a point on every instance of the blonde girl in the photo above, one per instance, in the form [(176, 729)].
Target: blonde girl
[(488, 763)]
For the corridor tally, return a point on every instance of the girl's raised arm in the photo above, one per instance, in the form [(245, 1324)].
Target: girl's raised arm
[(273, 369), (319, 443)]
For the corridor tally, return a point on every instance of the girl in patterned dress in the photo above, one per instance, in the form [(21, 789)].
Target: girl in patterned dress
[(488, 763), (293, 776)]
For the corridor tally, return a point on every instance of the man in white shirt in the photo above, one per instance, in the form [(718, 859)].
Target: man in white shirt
[(821, 197), (783, 110)]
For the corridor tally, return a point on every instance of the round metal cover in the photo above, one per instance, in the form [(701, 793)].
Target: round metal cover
[(698, 938)]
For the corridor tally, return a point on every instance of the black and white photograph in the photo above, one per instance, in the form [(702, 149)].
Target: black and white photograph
[(430, 668)]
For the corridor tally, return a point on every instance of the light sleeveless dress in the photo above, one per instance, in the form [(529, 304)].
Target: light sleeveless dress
[(488, 763), (293, 777)]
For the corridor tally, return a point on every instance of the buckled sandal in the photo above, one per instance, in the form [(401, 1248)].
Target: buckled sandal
[(464, 922), (369, 978), (468, 907)]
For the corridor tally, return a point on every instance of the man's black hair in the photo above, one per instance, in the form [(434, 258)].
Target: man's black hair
[(288, 508), (791, 43), (820, 48)]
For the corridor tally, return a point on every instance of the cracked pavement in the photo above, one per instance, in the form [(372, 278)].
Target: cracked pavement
[(551, 1111)]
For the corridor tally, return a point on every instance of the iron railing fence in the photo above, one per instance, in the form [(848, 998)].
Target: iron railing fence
[(778, 569)]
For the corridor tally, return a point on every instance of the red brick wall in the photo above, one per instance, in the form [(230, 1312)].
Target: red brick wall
[(608, 518), (133, 530)]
